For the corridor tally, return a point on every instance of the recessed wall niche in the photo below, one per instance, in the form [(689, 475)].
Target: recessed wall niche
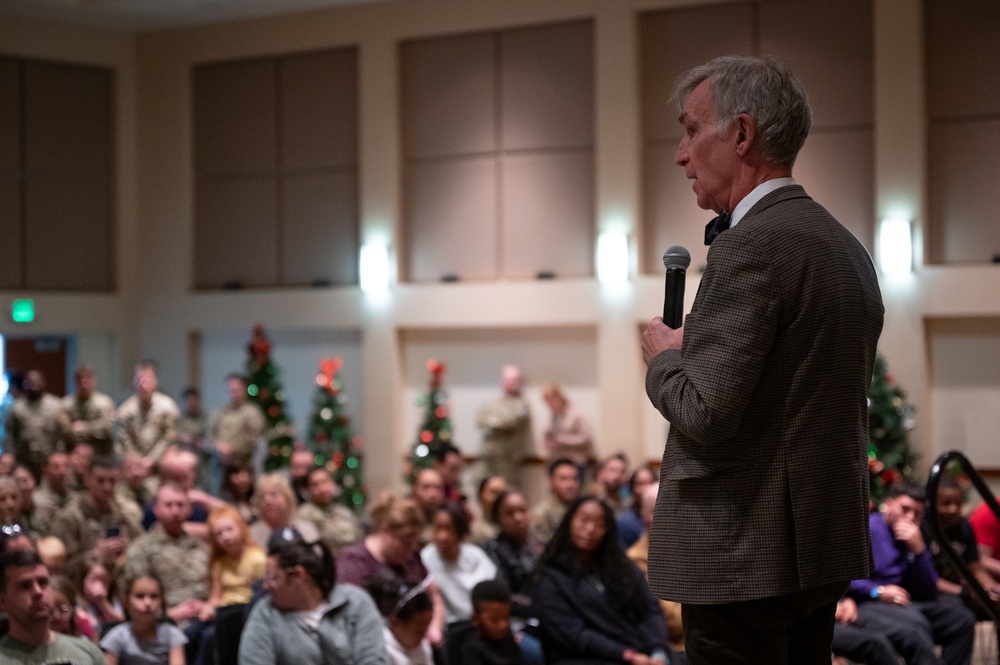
[(963, 131), (498, 150), (276, 161), (56, 175), (965, 388), (836, 165)]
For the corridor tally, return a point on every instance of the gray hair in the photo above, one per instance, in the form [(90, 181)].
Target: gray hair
[(763, 88)]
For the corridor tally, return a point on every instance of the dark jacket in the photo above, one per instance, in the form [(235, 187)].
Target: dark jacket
[(764, 481), (578, 622)]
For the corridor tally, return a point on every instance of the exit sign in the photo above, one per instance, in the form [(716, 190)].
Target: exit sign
[(22, 311)]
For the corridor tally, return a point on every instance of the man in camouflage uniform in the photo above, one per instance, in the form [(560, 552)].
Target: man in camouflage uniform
[(52, 494), (564, 486), (236, 429), (36, 424), (93, 526), (147, 421), (338, 527), (91, 414), (178, 560), (506, 428)]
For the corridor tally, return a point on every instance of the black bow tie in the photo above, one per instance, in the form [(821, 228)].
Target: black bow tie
[(716, 226)]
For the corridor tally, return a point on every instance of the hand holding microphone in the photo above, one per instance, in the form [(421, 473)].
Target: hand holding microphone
[(666, 333)]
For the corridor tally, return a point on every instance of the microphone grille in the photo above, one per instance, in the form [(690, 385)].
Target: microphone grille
[(676, 257)]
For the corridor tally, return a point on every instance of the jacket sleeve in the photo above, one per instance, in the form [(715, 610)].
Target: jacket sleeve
[(257, 645), (555, 608), (369, 646), (704, 389), (653, 626)]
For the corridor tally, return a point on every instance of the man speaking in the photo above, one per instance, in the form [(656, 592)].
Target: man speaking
[(762, 516)]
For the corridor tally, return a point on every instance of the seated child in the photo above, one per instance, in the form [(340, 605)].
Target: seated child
[(407, 610), (492, 643)]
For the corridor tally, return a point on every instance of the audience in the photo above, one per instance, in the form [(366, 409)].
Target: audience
[(564, 486), (66, 618), (205, 550), (484, 527), (235, 562), (336, 524), (630, 523), (515, 551), (100, 598), (900, 599), (611, 482), (144, 639), (987, 529), (180, 561), (639, 554), (93, 527), (408, 611), (91, 414), (593, 604), (950, 500), (428, 494), (456, 566), (492, 642), (276, 505), (237, 489), (307, 617), (448, 463), (26, 595), (52, 493), (391, 551)]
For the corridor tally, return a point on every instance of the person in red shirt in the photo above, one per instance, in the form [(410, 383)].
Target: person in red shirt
[(987, 529)]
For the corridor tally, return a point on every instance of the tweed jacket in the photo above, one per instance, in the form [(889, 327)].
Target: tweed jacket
[(764, 478)]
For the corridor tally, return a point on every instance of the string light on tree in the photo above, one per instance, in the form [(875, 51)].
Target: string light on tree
[(330, 436), (435, 429)]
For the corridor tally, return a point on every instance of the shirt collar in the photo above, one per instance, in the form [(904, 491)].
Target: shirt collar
[(758, 192)]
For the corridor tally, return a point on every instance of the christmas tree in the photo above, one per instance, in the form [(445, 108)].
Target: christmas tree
[(435, 431), (330, 436), (264, 390), (890, 418)]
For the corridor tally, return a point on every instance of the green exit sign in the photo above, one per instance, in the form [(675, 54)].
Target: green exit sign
[(22, 311)]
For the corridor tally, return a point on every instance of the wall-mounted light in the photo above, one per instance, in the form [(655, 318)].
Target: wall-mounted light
[(895, 246), (374, 268), (612, 257)]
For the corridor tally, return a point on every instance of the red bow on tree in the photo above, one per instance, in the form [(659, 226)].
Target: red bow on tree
[(328, 368), (259, 345), (437, 371)]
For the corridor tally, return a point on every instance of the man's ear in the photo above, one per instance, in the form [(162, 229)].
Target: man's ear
[(746, 132)]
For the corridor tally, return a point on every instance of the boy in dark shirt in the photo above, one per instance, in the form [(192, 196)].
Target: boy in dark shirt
[(950, 500), (492, 642)]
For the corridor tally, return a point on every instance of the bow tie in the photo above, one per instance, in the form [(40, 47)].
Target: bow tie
[(716, 226)]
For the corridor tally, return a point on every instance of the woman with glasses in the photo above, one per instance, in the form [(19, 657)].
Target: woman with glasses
[(307, 618)]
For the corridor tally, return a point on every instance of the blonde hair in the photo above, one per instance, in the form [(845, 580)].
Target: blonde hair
[(50, 547), (391, 513), (278, 481)]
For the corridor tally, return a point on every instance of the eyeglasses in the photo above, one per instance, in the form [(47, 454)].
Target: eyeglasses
[(62, 609), (11, 530), (275, 575)]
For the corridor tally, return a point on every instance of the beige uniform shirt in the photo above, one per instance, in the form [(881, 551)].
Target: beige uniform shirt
[(147, 430), (97, 417), (38, 427), (80, 525), (338, 527), (240, 427), (545, 518), (181, 564)]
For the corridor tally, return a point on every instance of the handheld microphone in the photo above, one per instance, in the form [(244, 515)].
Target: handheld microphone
[(675, 260)]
